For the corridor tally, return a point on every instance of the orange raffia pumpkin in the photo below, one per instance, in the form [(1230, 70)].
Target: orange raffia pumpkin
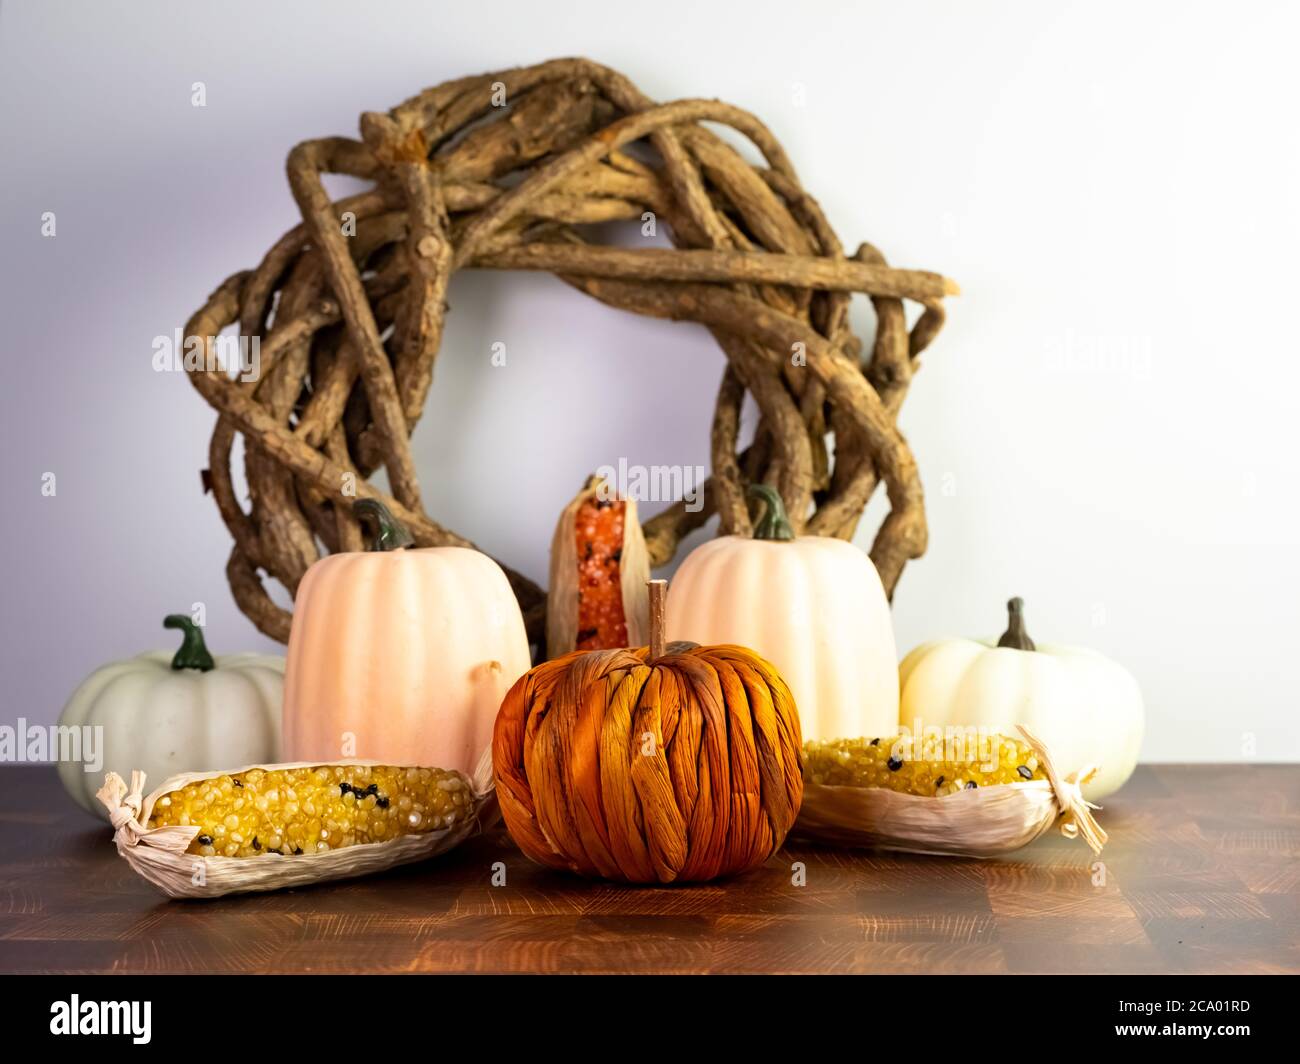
[(400, 655), (654, 765)]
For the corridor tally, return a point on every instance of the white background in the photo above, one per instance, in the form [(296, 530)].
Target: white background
[(1107, 426)]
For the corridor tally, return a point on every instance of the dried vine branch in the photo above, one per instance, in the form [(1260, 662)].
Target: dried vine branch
[(500, 171)]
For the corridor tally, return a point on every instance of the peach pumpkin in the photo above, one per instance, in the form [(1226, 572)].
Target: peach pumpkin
[(399, 654), (813, 606)]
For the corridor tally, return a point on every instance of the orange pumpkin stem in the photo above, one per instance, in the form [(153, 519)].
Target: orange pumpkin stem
[(658, 600)]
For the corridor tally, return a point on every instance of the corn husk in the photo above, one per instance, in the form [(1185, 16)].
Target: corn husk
[(634, 571), (158, 854), (986, 822)]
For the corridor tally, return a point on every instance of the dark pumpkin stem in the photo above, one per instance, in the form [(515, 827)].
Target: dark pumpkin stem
[(774, 524), (193, 653), (389, 533), (1015, 636)]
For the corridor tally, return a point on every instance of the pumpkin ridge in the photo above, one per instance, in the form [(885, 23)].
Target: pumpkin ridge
[(747, 774), (683, 748), (584, 781), (740, 826), (821, 658), (618, 796), (701, 680), (761, 685), (410, 581), (546, 765), (513, 792), (319, 591), (363, 666), (665, 828)]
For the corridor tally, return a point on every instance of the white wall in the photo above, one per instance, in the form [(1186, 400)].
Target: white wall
[(1113, 178)]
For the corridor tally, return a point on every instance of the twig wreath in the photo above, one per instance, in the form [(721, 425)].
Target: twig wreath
[(502, 171)]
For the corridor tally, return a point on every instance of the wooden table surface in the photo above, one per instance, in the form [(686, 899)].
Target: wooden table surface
[(1201, 875)]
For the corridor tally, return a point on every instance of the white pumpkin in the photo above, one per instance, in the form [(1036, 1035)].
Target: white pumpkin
[(170, 713), (1085, 708), (813, 606)]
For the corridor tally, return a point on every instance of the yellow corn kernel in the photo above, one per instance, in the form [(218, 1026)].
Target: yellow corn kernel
[(921, 768), (313, 810)]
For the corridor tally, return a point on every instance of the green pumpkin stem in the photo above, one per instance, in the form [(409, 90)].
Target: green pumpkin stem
[(1015, 636), (389, 532), (193, 653), (774, 524)]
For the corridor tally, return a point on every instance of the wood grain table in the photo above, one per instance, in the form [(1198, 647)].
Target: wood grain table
[(1201, 875)]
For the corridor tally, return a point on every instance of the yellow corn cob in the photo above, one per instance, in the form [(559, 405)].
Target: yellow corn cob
[(921, 768), (310, 810)]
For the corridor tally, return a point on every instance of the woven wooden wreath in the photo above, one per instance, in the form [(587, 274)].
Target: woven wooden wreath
[(503, 171)]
